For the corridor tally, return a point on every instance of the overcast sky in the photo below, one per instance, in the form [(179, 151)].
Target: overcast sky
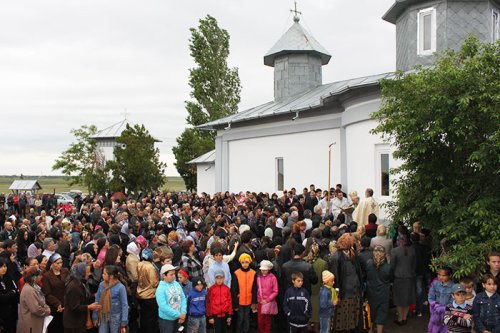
[(65, 63)]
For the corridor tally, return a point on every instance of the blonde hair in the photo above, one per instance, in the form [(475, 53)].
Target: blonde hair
[(381, 230)]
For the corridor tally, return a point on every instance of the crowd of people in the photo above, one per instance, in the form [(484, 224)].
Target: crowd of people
[(168, 262)]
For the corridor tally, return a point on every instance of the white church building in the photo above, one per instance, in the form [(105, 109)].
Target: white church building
[(284, 143)]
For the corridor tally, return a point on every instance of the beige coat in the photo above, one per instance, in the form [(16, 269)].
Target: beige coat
[(32, 311), (148, 280)]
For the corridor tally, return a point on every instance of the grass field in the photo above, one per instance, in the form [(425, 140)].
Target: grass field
[(57, 184)]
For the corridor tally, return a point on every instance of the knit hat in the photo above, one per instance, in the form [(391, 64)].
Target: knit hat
[(183, 273), (245, 257), (266, 265), (327, 276), (268, 232), (198, 280)]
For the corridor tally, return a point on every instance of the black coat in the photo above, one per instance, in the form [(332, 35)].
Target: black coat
[(299, 265), (9, 298)]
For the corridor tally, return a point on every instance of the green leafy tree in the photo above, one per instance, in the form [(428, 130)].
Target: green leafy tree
[(445, 121), (215, 94), (83, 162), (137, 166)]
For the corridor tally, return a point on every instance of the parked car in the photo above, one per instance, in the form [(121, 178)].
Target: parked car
[(63, 198)]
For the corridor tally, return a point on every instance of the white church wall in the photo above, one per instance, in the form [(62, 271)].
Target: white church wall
[(364, 162), (205, 178), (252, 162)]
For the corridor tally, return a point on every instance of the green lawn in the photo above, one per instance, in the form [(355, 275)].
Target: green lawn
[(57, 184)]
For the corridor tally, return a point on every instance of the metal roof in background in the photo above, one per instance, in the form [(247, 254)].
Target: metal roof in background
[(296, 40), (112, 131), (205, 158), (25, 185), (115, 130), (301, 102)]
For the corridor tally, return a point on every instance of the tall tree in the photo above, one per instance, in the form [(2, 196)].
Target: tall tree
[(83, 162), (445, 121), (137, 165), (215, 94)]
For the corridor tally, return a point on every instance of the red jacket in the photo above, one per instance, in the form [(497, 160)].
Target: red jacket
[(219, 301)]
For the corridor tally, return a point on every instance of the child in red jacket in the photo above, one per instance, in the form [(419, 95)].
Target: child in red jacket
[(219, 304)]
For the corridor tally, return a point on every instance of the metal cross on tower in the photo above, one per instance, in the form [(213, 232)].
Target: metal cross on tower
[(296, 17)]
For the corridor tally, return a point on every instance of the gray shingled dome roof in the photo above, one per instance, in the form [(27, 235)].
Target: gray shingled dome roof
[(296, 40)]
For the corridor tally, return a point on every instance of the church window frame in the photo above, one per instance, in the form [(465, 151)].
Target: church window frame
[(280, 173), (426, 31), (495, 25), (382, 170)]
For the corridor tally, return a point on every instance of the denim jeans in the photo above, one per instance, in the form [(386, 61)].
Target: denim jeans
[(167, 326), (112, 325), (196, 324), (324, 325)]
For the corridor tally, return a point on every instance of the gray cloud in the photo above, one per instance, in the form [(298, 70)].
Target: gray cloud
[(68, 63)]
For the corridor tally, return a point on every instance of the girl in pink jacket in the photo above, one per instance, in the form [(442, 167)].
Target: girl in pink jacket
[(267, 291)]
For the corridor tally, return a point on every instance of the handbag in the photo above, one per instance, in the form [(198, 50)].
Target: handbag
[(270, 308)]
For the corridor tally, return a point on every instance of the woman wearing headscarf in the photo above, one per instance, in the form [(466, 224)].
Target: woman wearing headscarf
[(378, 282), (148, 280), (345, 267), (75, 300), (319, 265), (32, 306), (54, 288)]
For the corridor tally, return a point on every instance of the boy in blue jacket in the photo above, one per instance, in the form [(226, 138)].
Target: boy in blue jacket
[(297, 305), (196, 307), (486, 307)]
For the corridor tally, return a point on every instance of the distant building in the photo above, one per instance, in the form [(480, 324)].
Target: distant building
[(284, 143), (106, 140)]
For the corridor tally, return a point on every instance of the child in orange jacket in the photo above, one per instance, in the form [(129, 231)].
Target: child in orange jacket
[(244, 291)]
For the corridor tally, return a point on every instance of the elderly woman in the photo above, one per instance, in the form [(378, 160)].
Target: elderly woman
[(32, 306), (378, 282), (344, 264), (54, 288), (76, 299)]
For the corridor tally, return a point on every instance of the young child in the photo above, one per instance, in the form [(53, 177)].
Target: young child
[(219, 304), (219, 265), (327, 300), (267, 291), (458, 314), (196, 307), (470, 294), (112, 296), (183, 279), (439, 296), (486, 307), (244, 292), (297, 305)]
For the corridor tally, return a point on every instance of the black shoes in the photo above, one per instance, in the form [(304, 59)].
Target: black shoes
[(400, 323)]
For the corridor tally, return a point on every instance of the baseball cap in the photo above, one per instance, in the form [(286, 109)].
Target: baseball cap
[(166, 268), (457, 287)]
